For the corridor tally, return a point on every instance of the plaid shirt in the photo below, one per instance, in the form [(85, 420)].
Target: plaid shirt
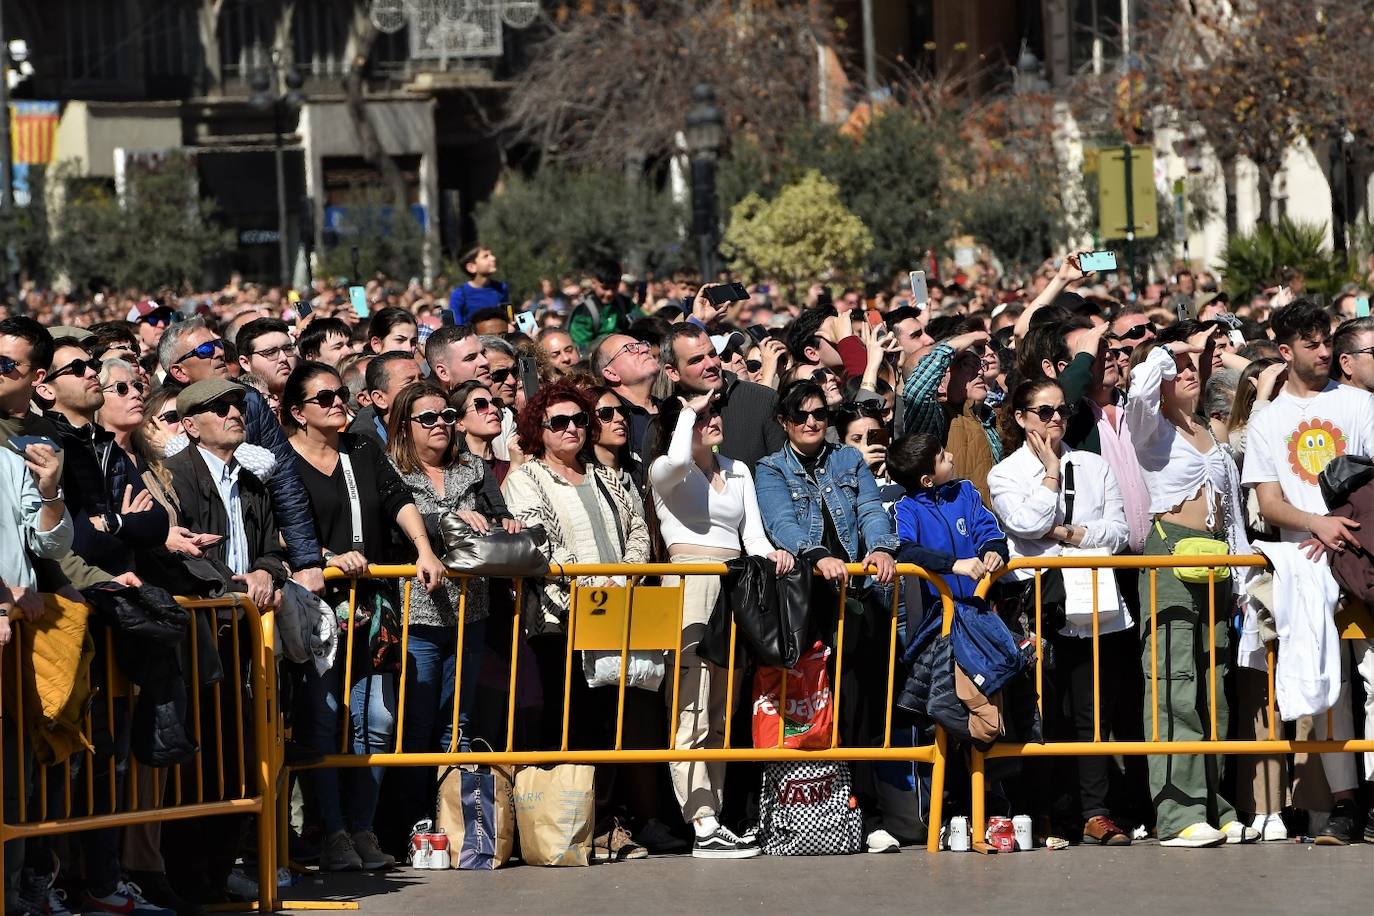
[(923, 411)]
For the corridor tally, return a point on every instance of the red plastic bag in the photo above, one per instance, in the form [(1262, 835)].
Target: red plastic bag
[(808, 713)]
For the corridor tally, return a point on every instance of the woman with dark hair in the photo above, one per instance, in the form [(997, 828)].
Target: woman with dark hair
[(588, 516), (612, 445), (1194, 493), (479, 424), (422, 445), (392, 329), (707, 512), (356, 499), (1030, 493)]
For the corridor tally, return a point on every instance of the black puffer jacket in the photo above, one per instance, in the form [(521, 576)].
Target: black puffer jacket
[(929, 694)]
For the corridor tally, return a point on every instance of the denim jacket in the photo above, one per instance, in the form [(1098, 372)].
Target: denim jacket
[(792, 504)]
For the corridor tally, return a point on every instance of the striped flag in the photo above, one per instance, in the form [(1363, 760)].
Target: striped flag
[(33, 132)]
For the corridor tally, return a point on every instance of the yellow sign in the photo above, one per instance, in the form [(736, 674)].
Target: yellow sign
[(1111, 193), (654, 618)]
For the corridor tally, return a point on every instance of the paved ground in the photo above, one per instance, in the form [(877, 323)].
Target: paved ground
[(1272, 878)]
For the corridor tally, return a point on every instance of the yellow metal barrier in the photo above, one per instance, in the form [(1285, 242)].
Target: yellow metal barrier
[(639, 617), (247, 737), (1216, 744)]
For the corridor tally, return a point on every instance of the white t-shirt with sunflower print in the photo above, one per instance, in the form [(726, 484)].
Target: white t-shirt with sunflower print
[(1292, 439)]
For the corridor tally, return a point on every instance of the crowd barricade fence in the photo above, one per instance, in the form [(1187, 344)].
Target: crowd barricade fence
[(1350, 626)]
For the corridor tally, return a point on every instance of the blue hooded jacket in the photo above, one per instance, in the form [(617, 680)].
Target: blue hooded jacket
[(951, 520)]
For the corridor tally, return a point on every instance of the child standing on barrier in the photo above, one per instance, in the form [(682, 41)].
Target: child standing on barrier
[(1052, 498), (1194, 493)]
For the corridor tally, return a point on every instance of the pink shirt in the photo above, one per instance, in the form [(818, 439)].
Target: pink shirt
[(1119, 451)]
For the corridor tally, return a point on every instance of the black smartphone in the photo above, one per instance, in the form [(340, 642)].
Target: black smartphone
[(446, 316), (529, 375), (879, 436), (726, 292)]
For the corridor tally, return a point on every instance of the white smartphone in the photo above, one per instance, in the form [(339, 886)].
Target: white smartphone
[(919, 293), (526, 323)]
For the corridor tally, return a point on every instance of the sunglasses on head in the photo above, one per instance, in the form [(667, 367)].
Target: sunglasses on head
[(204, 351), (1046, 411), (605, 414), (800, 416), (481, 405), (218, 408), (561, 422), (499, 376), (77, 367), (432, 418), (874, 409), (122, 389), (326, 397)]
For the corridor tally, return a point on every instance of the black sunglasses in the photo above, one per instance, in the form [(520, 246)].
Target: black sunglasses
[(1121, 351), (122, 389), (204, 351), (219, 408), (432, 418), (1139, 331), (561, 422), (77, 367), (754, 365), (605, 414), (820, 415), (169, 417), (156, 319), (1046, 411), (326, 397), (874, 409), (499, 376), (481, 404)]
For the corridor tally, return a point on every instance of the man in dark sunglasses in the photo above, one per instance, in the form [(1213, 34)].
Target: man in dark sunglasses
[(150, 319), (190, 352)]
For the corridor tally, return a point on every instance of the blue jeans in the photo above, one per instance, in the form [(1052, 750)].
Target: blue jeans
[(429, 688), (372, 710)]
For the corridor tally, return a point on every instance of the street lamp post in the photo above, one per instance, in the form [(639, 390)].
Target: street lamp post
[(705, 134), (279, 87)]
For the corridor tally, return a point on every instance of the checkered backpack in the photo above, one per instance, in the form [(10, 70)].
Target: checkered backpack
[(809, 809)]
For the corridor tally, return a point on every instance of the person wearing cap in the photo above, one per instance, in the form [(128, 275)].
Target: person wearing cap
[(151, 320), (190, 352)]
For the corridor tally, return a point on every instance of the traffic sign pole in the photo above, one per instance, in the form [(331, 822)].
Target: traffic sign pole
[(1130, 215)]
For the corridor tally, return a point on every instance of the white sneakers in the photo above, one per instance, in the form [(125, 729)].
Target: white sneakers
[(1196, 836), (1270, 827), (881, 841), (1236, 832)]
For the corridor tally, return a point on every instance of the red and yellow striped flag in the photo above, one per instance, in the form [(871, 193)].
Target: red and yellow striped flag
[(33, 132)]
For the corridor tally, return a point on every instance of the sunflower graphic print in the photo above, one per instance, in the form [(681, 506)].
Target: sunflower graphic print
[(1312, 446)]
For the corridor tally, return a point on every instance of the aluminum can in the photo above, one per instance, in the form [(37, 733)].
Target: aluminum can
[(1025, 836), (958, 834), (1001, 835)]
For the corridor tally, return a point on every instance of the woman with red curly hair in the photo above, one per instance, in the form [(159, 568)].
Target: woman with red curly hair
[(588, 516)]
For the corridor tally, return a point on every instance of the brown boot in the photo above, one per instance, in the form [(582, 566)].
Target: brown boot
[(1102, 831)]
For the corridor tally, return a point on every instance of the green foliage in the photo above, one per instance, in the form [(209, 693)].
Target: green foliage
[(1252, 262), (1022, 222), (25, 231), (387, 242), (804, 233), (160, 234), (562, 220)]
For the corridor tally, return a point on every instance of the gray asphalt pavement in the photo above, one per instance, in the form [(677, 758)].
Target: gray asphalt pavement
[(1270, 878)]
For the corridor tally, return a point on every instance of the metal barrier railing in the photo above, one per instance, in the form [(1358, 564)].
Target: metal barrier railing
[(1215, 744), (659, 627), (236, 777)]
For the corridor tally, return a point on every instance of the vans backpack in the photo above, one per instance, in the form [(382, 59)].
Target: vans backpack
[(809, 809)]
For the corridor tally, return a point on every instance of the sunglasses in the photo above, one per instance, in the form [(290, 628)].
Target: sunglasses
[(122, 389), (219, 408), (169, 417), (275, 352), (326, 397), (821, 376), (1046, 411), (432, 418), (874, 409), (754, 365), (156, 319), (204, 351), (499, 376), (1120, 352), (482, 405), (1139, 331), (8, 365), (605, 414), (77, 367), (820, 415), (561, 422)]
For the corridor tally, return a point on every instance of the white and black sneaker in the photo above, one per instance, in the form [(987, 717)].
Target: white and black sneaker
[(722, 844)]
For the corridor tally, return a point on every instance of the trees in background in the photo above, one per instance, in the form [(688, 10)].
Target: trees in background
[(802, 234)]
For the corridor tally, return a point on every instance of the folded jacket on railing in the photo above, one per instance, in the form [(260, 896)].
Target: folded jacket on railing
[(1308, 679)]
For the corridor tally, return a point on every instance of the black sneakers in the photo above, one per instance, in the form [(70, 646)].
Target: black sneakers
[(1369, 826), (722, 844), (1340, 828)]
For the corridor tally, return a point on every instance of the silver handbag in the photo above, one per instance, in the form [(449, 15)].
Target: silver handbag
[(497, 553)]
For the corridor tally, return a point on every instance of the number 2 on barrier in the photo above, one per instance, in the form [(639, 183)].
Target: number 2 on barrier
[(600, 614)]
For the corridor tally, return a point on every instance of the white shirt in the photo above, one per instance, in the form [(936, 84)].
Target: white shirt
[(1028, 511), (1292, 440), (20, 505), (1174, 470), (691, 511), (226, 478)]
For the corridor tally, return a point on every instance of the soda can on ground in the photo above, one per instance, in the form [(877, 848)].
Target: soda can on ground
[(1025, 837), (1001, 835), (958, 834)]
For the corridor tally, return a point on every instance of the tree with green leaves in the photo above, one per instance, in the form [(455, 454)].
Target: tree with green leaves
[(804, 233)]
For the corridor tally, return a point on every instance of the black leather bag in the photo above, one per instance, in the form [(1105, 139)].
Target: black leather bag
[(772, 613), (496, 553)]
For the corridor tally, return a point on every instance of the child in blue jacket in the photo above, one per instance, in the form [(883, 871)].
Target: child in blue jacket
[(942, 522)]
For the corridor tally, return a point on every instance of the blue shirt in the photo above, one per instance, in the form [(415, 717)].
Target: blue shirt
[(467, 300), (226, 478)]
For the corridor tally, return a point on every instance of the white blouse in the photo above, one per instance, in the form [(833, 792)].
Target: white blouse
[(1174, 470), (691, 511)]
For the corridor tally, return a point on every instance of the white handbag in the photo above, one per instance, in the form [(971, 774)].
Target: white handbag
[(1078, 583)]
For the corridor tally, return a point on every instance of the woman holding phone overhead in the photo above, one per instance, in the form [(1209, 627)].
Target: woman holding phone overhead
[(356, 500)]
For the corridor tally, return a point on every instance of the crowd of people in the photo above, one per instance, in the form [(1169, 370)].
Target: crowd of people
[(239, 441)]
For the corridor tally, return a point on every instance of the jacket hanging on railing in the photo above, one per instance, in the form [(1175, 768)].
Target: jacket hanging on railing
[(56, 652), (772, 613)]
